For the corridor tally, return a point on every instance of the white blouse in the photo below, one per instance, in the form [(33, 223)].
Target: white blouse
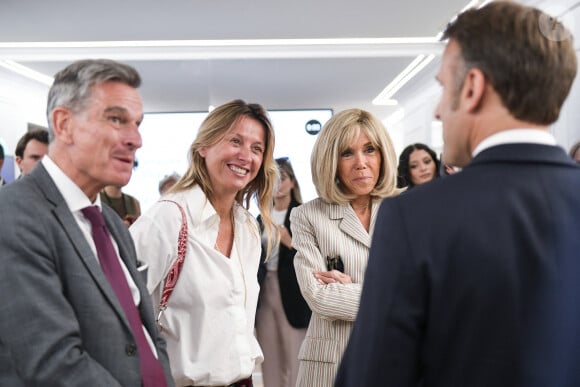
[(209, 321)]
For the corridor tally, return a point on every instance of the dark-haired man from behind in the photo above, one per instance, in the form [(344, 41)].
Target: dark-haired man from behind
[(491, 299), (74, 310), (31, 148)]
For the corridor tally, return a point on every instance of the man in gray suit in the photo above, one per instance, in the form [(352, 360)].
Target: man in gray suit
[(74, 310)]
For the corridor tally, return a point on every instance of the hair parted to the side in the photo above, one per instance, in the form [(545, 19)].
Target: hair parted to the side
[(72, 85), (340, 132), (531, 72), (404, 171), (212, 130), (39, 135)]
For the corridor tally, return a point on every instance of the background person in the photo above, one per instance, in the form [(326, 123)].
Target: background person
[(125, 205), (283, 314), (575, 152), (75, 311), (418, 164), (491, 299), (354, 166), (167, 182), (209, 320), (30, 149)]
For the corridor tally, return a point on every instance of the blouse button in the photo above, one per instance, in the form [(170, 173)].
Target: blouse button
[(131, 349)]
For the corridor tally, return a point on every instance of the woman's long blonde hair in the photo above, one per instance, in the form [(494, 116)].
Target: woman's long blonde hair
[(212, 130)]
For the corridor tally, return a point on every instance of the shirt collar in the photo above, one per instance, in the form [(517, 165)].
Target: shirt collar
[(529, 136), (206, 211), (74, 197)]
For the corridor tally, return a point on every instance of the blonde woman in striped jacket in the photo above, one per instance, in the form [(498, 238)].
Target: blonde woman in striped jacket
[(354, 166)]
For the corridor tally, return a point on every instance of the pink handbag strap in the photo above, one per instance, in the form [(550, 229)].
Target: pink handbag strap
[(175, 269)]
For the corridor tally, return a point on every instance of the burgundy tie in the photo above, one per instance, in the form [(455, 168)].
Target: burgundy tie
[(151, 369)]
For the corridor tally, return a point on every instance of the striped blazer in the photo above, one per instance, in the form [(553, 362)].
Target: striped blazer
[(321, 230)]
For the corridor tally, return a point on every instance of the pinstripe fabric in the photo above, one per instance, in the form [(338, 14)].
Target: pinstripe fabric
[(319, 230)]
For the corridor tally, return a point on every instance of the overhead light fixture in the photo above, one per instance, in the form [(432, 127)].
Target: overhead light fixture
[(26, 72), (418, 64), (209, 49), (219, 49), (220, 43)]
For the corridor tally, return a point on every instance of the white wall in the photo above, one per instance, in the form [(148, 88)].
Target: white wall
[(22, 101), (419, 101)]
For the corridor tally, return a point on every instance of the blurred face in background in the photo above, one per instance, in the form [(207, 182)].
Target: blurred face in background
[(33, 153), (421, 167), (285, 186)]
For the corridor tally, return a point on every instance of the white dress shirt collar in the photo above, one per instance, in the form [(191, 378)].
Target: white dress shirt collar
[(74, 197), (206, 212), (512, 136)]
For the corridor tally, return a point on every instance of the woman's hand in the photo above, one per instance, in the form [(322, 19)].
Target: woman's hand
[(330, 277)]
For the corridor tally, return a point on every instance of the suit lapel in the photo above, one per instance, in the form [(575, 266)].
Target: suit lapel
[(87, 256), (69, 224), (126, 255), (349, 223)]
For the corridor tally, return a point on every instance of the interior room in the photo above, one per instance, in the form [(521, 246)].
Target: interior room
[(299, 60)]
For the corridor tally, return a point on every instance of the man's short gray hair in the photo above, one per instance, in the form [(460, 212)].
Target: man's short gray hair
[(72, 85)]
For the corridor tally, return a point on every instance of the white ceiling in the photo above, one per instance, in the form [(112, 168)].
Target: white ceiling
[(192, 78)]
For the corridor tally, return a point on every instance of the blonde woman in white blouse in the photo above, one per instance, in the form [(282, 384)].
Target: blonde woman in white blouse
[(354, 166), (209, 320)]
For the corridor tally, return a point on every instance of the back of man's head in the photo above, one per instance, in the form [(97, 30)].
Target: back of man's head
[(531, 67)]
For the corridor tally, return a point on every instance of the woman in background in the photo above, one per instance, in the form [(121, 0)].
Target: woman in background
[(353, 167), (126, 206), (209, 320), (167, 182), (283, 314), (418, 164)]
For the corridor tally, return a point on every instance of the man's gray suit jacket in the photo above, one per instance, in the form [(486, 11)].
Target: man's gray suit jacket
[(60, 321)]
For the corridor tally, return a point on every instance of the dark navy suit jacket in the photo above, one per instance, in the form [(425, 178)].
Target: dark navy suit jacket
[(474, 280)]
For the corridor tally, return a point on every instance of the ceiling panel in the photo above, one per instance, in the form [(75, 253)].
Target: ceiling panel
[(342, 79)]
